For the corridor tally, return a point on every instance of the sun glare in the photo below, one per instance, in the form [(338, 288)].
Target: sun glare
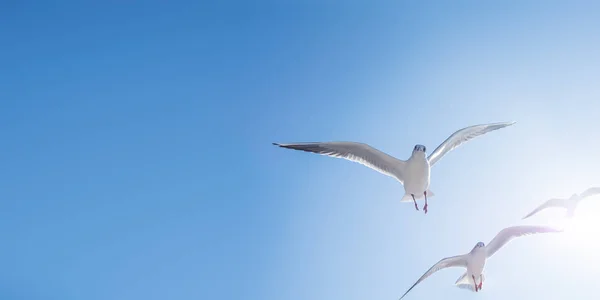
[(584, 227)]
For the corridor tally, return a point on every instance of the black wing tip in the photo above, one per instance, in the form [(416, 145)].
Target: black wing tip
[(289, 146), (280, 145), (293, 146)]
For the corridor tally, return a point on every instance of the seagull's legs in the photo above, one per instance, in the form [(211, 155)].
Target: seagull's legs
[(480, 281), (475, 281), (415, 201), (425, 207)]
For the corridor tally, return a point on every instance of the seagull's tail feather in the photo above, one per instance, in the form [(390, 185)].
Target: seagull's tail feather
[(408, 197), (466, 282)]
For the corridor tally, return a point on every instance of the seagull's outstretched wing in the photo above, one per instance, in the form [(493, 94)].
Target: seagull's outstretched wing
[(507, 234), (448, 262), (357, 152), (590, 192), (461, 136), (554, 202)]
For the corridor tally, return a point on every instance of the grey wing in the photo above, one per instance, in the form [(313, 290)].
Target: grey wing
[(448, 262), (461, 136), (357, 152), (507, 234), (550, 203), (590, 192)]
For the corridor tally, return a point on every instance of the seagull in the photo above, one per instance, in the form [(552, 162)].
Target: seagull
[(570, 204), (475, 260), (413, 173)]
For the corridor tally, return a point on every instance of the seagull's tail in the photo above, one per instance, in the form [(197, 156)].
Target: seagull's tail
[(466, 282), (408, 197), (430, 194)]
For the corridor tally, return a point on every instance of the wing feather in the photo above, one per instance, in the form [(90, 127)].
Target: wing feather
[(507, 234), (554, 202), (448, 262), (357, 152), (590, 192), (461, 136)]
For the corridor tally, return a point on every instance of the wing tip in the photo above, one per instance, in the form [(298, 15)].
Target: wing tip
[(280, 145), (547, 229), (504, 124), (509, 123)]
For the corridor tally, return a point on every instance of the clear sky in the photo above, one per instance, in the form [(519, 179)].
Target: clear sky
[(136, 158)]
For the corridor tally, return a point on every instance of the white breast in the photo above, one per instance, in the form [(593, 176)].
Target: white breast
[(476, 262), (416, 179)]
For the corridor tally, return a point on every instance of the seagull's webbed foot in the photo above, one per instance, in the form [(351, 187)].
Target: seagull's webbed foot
[(415, 201), (425, 207)]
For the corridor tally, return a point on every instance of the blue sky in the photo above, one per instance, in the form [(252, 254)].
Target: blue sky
[(137, 160)]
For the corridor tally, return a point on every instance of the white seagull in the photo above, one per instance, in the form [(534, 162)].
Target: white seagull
[(570, 204), (475, 260), (412, 173)]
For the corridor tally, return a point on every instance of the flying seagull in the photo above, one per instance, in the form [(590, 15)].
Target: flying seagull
[(412, 173), (475, 260), (570, 204)]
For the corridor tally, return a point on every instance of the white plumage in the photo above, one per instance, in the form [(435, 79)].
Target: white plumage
[(413, 173), (474, 261)]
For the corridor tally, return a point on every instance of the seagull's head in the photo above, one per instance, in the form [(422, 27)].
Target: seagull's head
[(479, 246), (420, 148)]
